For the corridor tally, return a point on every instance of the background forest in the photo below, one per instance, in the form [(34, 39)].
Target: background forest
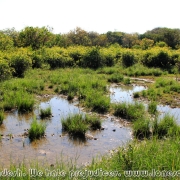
[(35, 47)]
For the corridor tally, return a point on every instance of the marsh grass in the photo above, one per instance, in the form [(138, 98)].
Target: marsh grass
[(25, 105), (75, 125), (141, 128), (45, 112), (141, 156), (98, 102), (37, 129), (131, 112), (94, 122), (166, 126), (116, 78), (152, 107), (1, 116), (78, 124)]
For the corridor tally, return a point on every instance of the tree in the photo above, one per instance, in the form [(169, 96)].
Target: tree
[(35, 37), (146, 43), (130, 40), (79, 36), (115, 37), (6, 42)]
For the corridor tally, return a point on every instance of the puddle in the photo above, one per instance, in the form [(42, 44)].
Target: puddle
[(124, 93), (56, 145), (168, 110)]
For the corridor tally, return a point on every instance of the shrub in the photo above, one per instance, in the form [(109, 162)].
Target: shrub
[(5, 70), (158, 57), (45, 112), (20, 62), (37, 130), (93, 58), (37, 60), (128, 58), (57, 59)]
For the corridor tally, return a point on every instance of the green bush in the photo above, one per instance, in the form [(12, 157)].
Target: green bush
[(37, 60), (56, 59), (5, 70), (20, 62), (128, 58), (158, 57), (93, 58)]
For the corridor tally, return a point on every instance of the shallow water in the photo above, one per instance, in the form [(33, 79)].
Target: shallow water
[(56, 145), (125, 94)]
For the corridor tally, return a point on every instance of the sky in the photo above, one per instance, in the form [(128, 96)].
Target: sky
[(101, 16)]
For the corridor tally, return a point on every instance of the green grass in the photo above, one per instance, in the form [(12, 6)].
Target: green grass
[(75, 125), (1, 117), (166, 127), (148, 155), (78, 124), (97, 102), (116, 78), (94, 122), (131, 112), (45, 112), (152, 107), (141, 128), (37, 129)]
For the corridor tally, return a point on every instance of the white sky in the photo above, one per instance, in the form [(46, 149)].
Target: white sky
[(91, 15)]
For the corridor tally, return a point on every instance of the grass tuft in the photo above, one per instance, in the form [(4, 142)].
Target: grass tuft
[(75, 125), (131, 112), (45, 112), (152, 107), (166, 127), (141, 128), (37, 130)]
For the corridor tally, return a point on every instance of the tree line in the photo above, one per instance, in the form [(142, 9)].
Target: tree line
[(36, 38)]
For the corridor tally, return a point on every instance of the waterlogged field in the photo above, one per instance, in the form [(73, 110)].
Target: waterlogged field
[(126, 111), (16, 147)]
